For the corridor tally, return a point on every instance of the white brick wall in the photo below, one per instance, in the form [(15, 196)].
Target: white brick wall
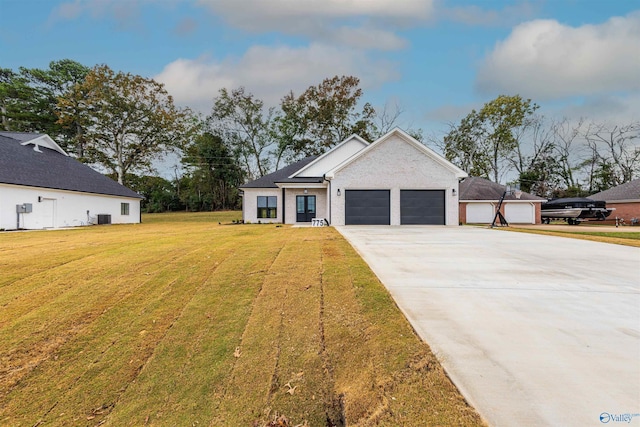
[(394, 164), (250, 204)]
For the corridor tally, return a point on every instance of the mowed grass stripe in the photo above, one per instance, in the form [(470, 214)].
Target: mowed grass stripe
[(20, 260), (385, 374), (189, 372), (256, 374), (57, 316), (303, 387), (73, 276)]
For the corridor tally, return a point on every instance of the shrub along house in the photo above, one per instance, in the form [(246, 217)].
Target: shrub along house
[(42, 187), (479, 199), (395, 180)]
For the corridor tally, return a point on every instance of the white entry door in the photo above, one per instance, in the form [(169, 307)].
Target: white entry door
[(48, 213)]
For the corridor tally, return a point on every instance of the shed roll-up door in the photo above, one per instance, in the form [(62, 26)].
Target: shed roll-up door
[(367, 207), (422, 207)]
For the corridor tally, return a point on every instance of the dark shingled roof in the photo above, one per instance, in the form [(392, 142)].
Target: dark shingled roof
[(282, 175), (475, 188), (627, 191), (21, 165)]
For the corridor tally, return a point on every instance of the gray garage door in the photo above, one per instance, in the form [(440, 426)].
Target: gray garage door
[(422, 207), (367, 207)]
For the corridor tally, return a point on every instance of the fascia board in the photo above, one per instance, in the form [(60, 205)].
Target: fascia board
[(45, 141)]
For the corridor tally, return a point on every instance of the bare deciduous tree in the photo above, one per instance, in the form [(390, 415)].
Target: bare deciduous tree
[(617, 146)]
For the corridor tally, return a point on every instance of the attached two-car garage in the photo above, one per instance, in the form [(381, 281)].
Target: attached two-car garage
[(373, 207)]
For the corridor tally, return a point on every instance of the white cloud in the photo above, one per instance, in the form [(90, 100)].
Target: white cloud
[(614, 109), (365, 38), (260, 14), (477, 16), (364, 24), (124, 14), (544, 59), (268, 72), (450, 113)]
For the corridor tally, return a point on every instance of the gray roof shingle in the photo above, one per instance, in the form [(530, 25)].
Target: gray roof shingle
[(627, 191), (22, 165), (476, 188), (282, 175)]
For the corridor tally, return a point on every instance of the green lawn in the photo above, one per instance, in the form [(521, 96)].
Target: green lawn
[(187, 319)]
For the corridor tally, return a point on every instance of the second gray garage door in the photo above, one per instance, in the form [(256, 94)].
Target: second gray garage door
[(422, 207), (367, 207)]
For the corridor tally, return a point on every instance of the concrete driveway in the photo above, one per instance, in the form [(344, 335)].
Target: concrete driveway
[(534, 330)]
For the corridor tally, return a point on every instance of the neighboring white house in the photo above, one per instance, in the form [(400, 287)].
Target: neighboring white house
[(394, 180), (42, 187)]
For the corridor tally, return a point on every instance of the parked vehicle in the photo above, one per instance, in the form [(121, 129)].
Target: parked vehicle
[(574, 210)]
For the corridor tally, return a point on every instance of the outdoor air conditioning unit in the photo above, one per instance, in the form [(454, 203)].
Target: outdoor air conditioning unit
[(104, 219)]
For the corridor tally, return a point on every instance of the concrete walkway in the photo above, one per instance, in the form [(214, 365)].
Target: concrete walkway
[(534, 330)]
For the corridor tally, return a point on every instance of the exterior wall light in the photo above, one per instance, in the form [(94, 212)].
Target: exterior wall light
[(305, 191), (453, 191), (339, 193)]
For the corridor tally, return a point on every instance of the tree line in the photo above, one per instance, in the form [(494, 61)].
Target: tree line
[(507, 139), (120, 123)]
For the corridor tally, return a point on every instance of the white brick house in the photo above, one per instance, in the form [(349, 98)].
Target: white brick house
[(395, 180)]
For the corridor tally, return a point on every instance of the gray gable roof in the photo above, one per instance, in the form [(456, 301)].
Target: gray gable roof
[(627, 191), (476, 188), (282, 175), (21, 136), (22, 165)]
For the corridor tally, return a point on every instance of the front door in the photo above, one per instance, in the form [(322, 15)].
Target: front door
[(305, 208)]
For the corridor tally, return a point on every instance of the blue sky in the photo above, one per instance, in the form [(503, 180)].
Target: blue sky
[(437, 59)]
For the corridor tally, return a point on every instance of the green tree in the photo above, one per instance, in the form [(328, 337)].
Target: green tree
[(242, 120), (160, 194), (29, 99), (128, 120), (464, 146), (15, 97), (321, 117), (485, 140), (214, 177)]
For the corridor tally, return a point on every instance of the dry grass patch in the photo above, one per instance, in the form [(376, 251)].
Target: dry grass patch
[(182, 321), (618, 238)]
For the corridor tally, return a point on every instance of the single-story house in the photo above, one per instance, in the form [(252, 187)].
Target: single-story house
[(42, 187), (479, 199), (394, 180), (625, 198)]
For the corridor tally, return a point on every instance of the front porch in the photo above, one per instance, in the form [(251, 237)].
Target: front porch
[(305, 202)]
